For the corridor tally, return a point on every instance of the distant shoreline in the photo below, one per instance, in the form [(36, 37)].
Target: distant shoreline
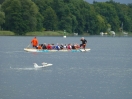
[(38, 33), (52, 33)]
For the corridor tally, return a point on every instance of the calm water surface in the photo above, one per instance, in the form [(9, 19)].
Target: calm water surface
[(105, 72)]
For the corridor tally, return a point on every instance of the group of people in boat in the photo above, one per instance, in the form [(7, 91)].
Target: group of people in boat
[(44, 46)]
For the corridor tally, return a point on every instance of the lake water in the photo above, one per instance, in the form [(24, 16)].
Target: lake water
[(105, 72)]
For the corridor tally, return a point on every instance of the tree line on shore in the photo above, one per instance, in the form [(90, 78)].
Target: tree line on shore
[(74, 16)]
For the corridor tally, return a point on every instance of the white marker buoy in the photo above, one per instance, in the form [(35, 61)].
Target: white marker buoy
[(64, 36)]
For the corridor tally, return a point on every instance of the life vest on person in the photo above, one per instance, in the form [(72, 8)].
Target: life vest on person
[(39, 47), (34, 42)]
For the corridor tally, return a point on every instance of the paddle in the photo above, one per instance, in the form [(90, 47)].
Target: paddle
[(28, 46)]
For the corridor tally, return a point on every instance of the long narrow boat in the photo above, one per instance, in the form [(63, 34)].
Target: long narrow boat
[(64, 50)]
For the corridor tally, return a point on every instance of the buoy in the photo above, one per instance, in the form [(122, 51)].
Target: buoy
[(64, 36)]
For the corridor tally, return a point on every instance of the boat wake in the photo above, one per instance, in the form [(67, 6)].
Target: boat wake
[(24, 68), (36, 67), (10, 52), (14, 52)]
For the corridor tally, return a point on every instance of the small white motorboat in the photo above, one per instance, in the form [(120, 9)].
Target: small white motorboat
[(43, 65)]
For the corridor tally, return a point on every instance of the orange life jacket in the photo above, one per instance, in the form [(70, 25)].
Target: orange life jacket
[(34, 42), (39, 47)]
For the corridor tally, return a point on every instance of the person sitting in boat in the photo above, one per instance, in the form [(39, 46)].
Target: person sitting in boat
[(65, 46), (34, 42), (69, 47), (44, 46), (49, 47), (77, 46), (73, 46), (39, 47), (53, 46), (83, 43), (61, 46), (57, 47)]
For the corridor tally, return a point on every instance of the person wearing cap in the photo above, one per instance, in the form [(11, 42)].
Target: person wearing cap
[(34, 42), (84, 41)]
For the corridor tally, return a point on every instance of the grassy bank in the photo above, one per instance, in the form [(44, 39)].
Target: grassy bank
[(37, 33), (46, 33), (6, 33), (50, 33)]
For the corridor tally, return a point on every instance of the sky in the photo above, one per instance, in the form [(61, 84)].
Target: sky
[(119, 1)]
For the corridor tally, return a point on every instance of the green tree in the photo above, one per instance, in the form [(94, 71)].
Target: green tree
[(1, 1), (66, 24), (13, 14), (50, 19), (76, 9), (21, 16), (58, 6), (2, 17), (43, 5), (125, 16), (78, 16), (109, 12), (74, 23), (40, 19), (66, 19), (101, 24)]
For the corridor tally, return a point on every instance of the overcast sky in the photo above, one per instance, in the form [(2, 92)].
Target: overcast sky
[(119, 1)]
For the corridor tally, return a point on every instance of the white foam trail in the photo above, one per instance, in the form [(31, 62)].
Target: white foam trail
[(21, 51), (36, 67), (24, 68)]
